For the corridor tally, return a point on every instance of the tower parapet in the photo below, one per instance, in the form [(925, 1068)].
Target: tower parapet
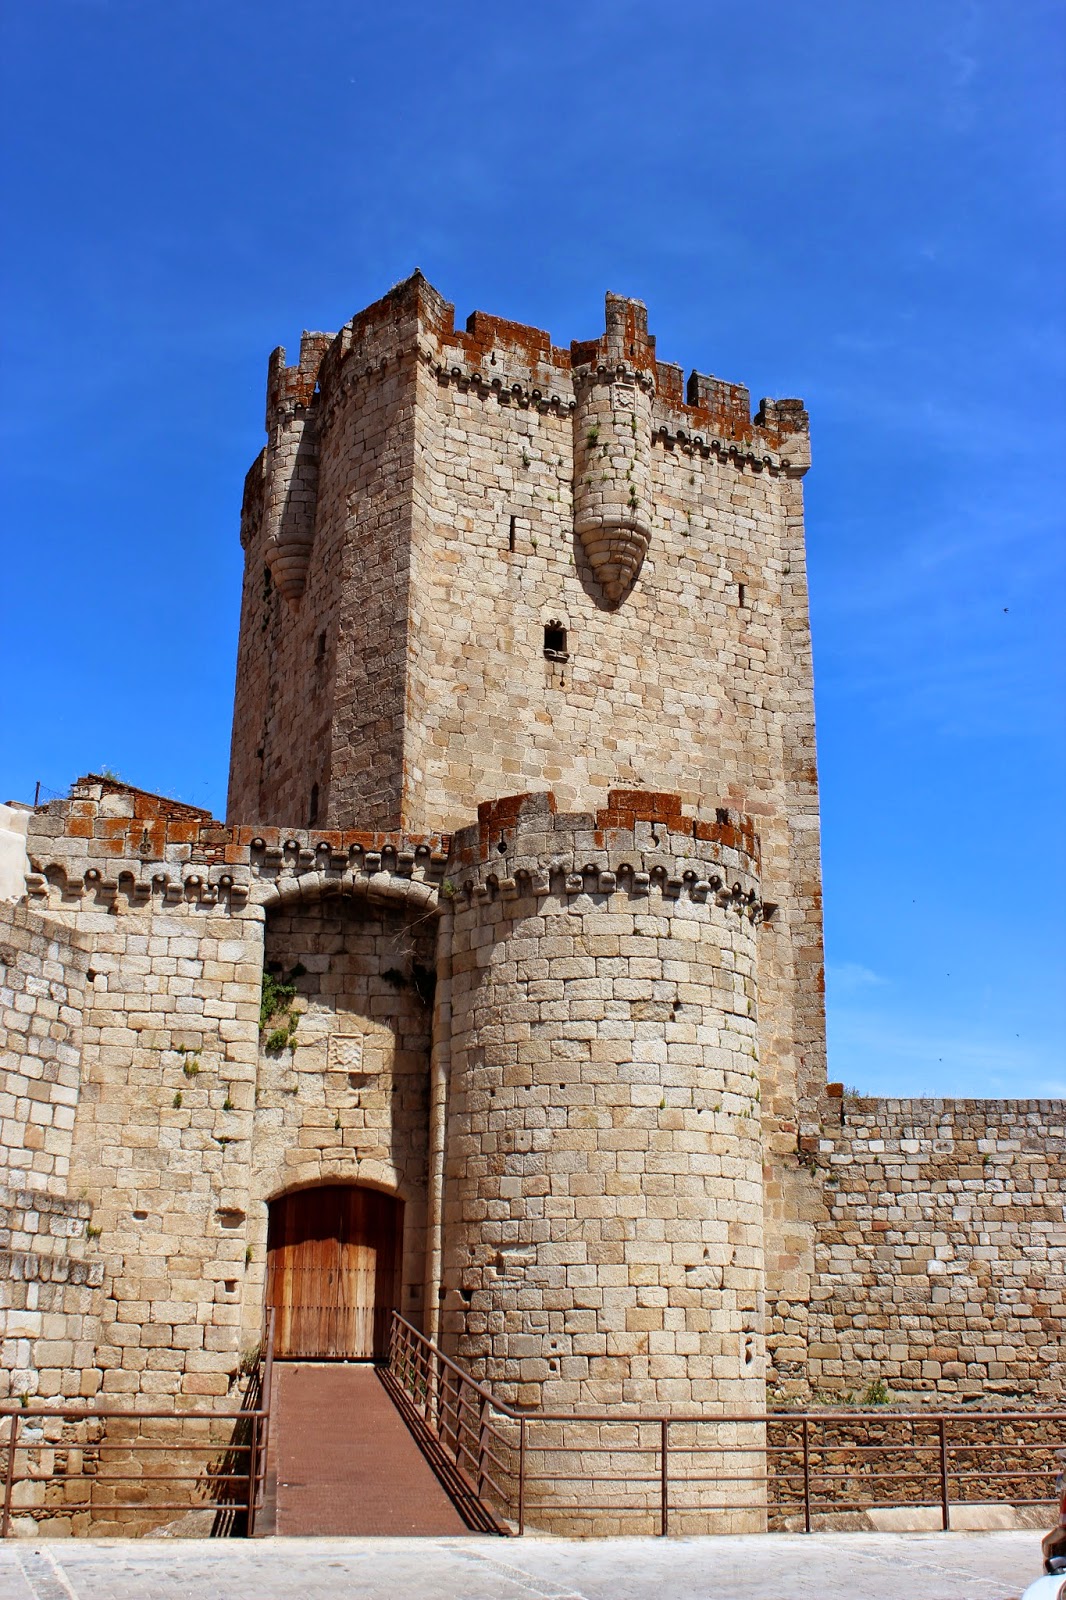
[(292, 463), (614, 387)]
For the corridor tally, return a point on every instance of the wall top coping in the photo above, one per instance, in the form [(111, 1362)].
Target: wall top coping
[(919, 1106)]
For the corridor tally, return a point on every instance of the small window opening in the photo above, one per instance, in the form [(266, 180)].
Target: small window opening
[(320, 648), (740, 593), (721, 816), (511, 534), (312, 810), (555, 641)]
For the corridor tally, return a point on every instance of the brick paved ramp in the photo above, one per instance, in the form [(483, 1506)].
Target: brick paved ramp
[(822, 1566), (342, 1460)]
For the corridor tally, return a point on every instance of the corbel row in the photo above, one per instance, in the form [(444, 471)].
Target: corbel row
[(216, 888), (635, 880)]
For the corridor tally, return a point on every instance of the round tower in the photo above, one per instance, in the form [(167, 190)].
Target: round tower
[(603, 1190), (292, 463), (614, 386)]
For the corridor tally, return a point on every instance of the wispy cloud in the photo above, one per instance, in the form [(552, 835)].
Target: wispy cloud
[(963, 66), (848, 977), (886, 1055)]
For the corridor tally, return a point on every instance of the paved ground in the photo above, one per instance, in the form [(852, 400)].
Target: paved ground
[(850, 1566), (342, 1460)]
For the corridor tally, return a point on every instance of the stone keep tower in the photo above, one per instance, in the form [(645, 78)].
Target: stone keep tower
[(477, 566)]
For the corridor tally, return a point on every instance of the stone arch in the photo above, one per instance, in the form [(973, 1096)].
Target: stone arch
[(373, 1175), (391, 888)]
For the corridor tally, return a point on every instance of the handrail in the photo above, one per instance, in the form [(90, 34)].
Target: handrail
[(796, 1448), (243, 1460), (878, 1413)]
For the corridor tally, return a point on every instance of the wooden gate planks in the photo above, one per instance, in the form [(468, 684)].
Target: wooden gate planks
[(332, 1260)]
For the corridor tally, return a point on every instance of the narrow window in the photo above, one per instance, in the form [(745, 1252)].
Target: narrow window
[(555, 641), (740, 591), (312, 810), (510, 536), (320, 649)]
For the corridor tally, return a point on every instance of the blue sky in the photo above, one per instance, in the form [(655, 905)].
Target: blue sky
[(857, 203)]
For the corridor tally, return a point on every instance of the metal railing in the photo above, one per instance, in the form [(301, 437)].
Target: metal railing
[(783, 1470), (72, 1450)]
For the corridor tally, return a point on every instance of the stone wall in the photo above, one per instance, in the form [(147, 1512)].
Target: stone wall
[(941, 1263), (49, 1283), (43, 967)]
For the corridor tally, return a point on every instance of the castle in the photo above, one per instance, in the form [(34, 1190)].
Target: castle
[(498, 997)]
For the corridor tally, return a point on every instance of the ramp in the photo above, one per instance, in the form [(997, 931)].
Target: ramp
[(343, 1461)]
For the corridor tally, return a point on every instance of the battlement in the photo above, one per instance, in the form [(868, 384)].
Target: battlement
[(637, 843), (110, 842), (498, 353), (290, 388)]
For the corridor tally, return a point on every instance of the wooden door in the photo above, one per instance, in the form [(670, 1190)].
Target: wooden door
[(332, 1268)]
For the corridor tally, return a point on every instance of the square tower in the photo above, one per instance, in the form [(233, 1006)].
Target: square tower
[(478, 563)]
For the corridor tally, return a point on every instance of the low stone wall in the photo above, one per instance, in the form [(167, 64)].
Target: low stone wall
[(941, 1261), (600, 1478), (124, 1476)]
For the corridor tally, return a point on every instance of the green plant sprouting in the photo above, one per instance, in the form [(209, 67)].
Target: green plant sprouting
[(276, 1005)]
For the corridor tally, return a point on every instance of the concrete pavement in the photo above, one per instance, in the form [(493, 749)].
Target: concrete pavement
[(851, 1566)]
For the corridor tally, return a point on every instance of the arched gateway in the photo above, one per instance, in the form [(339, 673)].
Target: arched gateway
[(333, 1254)]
